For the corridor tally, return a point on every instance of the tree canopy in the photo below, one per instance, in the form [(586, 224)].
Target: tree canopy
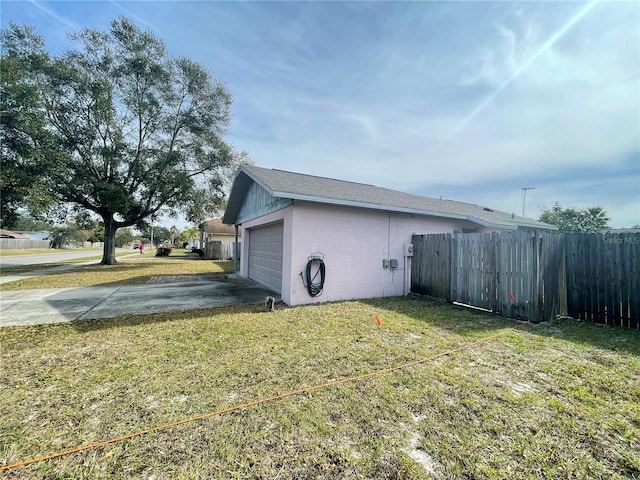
[(131, 131), (26, 143), (573, 220)]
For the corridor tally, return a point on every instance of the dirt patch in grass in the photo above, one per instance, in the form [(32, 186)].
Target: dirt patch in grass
[(555, 400)]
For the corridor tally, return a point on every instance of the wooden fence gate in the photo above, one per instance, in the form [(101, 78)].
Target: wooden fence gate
[(533, 276)]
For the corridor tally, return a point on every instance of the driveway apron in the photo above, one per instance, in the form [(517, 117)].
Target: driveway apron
[(56, 305)]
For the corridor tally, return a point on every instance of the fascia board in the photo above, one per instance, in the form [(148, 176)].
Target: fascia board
[(536, 226)]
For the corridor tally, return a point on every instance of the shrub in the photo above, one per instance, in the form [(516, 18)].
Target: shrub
[(163, 252)]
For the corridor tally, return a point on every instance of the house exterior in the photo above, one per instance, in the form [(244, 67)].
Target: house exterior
[(12, 234), (354, 235), (216, 231), (41, 235)]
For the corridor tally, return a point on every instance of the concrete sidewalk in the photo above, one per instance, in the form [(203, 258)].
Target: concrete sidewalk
[(55, 305), (45, 271), (37, 273)]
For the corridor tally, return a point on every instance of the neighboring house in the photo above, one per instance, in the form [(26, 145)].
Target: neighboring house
[(215, 230), (10, 234), (361, 232), (42, 235)]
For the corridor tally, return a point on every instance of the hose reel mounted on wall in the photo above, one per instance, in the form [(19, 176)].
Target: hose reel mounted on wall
[(315, 268)]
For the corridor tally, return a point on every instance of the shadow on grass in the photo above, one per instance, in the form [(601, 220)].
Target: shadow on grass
[(597, 335), (468, 322), (450, 318), (125, 321), (187, 256)]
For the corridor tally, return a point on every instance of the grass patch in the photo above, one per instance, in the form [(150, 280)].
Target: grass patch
[(555, 400), (130, 270), (7, 271), (39, 251), (37, 267)]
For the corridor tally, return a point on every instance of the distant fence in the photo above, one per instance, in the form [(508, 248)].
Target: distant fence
[(533, 277), (19, 244), (218, 250)]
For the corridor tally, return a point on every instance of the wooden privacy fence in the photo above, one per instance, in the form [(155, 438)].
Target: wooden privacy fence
[(22, 244), (533, 276), (217, 250), (603, 278)]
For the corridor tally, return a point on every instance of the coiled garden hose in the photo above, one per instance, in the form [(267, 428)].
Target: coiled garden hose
[(313, 284)]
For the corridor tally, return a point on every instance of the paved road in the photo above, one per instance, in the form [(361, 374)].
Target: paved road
[(54, 257)]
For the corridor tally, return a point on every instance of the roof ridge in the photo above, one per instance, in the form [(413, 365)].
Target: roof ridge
[(303, 186), (317, 176)]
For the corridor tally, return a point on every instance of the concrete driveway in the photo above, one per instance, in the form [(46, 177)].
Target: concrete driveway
[(55, 305)]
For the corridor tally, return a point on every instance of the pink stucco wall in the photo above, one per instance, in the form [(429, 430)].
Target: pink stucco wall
[(354, 242)]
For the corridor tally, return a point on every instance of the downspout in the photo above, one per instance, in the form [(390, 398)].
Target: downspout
[(235, 255)]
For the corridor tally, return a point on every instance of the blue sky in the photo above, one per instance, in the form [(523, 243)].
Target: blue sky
[(467, 100)]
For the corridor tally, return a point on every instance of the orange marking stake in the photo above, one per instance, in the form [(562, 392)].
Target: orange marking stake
[(378, 321)]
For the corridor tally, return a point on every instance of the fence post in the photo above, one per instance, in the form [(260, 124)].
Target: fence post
[(538, 310), (453, 291)]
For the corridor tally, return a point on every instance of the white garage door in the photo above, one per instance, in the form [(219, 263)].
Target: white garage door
[(265, 256)]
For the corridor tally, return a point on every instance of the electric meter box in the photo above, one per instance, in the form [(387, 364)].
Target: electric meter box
[(408, 249)]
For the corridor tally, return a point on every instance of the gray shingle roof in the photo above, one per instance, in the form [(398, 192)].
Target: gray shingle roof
[(298, 186)]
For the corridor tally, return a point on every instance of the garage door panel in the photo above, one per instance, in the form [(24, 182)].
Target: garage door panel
[(265, 256)]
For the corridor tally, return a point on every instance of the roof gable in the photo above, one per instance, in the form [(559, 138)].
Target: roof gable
[(11, 234), (296, 186), (216, 227)]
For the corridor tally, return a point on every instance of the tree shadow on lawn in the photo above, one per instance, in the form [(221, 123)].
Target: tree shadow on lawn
[(125, 321), (143, 277), (469, 322), (604, 337), (449, 318)]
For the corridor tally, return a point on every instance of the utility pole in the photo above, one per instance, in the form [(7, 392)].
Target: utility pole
[(524, 196)]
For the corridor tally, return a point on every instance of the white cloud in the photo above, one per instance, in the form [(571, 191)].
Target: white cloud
[(472, 98)]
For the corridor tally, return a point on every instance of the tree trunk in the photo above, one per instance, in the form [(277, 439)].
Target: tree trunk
[(109, 250)]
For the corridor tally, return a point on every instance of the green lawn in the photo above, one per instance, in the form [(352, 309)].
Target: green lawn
[(130, 270), (555, 400), (7, 271), (38, 251)]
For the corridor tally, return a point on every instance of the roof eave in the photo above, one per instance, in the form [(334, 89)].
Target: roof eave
[(539, 226), (245, 177)]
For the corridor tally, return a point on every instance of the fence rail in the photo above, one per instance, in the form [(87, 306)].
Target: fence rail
[(19, 244), (534, 276)]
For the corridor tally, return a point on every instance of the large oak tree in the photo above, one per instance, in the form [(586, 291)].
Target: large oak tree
[(137, 132), (27, 146)]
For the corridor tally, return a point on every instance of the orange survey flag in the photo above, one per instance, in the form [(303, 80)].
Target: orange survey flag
[(378, 321)]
